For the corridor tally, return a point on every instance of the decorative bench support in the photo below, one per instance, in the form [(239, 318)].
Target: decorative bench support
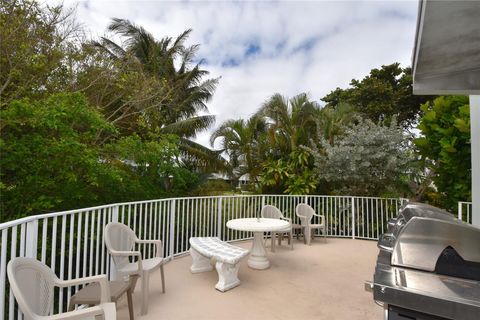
[(200, 263), (227, 257)]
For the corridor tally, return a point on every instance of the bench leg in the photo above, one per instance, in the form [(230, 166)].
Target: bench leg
[(200, 263), (227, 276)]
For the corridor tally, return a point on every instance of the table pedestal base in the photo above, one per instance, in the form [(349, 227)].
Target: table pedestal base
[(258, 254)]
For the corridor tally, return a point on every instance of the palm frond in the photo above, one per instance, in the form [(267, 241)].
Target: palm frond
[(190, 127), (203, 157)]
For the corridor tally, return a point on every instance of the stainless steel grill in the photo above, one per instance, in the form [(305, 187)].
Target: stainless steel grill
[(428, 266)]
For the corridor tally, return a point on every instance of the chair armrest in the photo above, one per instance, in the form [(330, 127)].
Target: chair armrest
[(125, 253), (101, 279), (158, 244), (107, 309), (322, 217)]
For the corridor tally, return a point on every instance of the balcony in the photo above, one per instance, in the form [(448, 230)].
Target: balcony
[(321, 281), (324, 280)]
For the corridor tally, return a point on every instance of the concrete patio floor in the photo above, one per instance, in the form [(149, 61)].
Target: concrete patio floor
[(321, 281)]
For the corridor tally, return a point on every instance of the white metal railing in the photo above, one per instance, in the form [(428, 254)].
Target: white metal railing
[(72, 242), (464, 211)]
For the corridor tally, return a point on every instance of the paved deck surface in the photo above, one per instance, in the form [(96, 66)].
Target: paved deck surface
[(321, 281)]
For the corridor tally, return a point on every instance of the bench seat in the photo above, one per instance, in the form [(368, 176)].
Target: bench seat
[(227, 258)]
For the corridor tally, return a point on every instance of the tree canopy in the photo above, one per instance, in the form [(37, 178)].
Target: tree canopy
[(92, 121), (86, 124), (385, 93)]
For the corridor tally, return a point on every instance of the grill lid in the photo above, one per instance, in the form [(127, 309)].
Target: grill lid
[(422, 233)]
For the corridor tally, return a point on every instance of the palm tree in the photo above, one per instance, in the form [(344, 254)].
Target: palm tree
[(292, 122), (183, 95), (334, 119), (242, 141)]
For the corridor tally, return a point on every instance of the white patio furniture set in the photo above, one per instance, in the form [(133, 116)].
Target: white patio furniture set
[(32, 282), (227, 257)]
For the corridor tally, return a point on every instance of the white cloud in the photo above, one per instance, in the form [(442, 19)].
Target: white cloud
[(311, 46)]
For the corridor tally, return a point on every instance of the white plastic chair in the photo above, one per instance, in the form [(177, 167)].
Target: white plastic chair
[(272, 212), (305, 213), (120, 241), (33, 283)]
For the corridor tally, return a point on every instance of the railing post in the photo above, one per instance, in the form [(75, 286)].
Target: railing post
[(263, 201), (3, 271), (31, 241), (353, 217), (220, 218), (459, 210), (172, 228), (113, 270)]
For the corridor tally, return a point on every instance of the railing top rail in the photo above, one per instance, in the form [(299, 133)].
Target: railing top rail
[(16, 222)]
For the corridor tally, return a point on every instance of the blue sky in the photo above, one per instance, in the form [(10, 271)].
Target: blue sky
[(259, 48)]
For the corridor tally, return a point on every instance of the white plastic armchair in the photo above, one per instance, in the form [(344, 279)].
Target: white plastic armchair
[(32, 284), (305, 213), (120, 241), (272, 212)]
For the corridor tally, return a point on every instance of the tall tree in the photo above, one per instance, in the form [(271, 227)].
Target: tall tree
[(291, 122), (445, 146), (34, 40), (384, 93), (334, 119), (368, 159), (182, 92), (242, 141)]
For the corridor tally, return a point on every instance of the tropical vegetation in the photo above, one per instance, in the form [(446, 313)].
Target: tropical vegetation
[(92, 121)]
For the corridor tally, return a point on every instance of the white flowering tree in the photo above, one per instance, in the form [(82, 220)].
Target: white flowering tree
[(368, 159)]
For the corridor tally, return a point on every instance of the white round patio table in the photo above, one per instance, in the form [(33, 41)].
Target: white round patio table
[(258, 255)]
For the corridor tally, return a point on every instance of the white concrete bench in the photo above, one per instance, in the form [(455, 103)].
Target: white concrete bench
[(227, 258)]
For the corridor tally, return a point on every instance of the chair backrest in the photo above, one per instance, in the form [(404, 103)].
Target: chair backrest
[(305, 212), (271, 212), (32, 284), (119, 237)]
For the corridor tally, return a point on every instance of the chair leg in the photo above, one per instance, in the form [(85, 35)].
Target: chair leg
[(130, 303), (71, 305), (163, 278), (307, 235), (273, 241), (280, 238), (145, 282), (290, 240)]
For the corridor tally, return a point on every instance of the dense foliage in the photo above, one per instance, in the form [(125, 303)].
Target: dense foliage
[(51, 159), (369, 159), (445, 148), (94, 121), (88, 122), (385, 93), (295, 146), (48, 155)]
